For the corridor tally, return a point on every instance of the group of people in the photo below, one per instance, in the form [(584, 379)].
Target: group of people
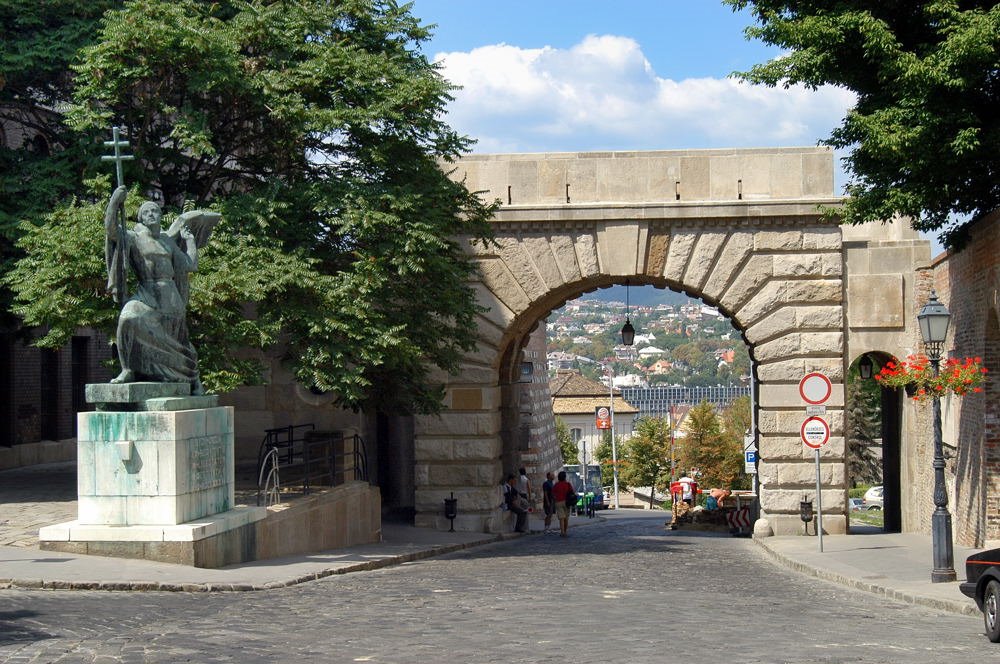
[(558, 495)]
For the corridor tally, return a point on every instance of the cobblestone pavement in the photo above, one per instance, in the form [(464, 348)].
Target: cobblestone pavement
[(626, 590), (34, 497)]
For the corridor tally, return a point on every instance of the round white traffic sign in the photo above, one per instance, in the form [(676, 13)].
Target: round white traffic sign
[(603, 413), (815, 432), (815, 388)]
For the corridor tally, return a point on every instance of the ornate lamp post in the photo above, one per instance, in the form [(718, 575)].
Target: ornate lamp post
[(933, 319)]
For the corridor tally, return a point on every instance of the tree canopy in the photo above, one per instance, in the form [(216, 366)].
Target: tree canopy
[(646, 455), (714, 444), (44, 164), (567, 446), (316, 129), (924, 134)]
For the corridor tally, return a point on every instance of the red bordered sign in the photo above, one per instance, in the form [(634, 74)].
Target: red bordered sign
[(815, 432), (815, 388)]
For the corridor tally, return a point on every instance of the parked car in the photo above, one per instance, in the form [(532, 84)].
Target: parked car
[(982, 573), (873, 498), (855, 504)]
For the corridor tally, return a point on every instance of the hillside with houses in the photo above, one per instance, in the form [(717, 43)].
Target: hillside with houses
[(678, 341)]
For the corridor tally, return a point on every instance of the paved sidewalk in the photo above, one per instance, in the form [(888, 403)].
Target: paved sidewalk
[(897, 566)]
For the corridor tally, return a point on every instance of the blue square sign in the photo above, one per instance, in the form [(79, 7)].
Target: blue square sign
[(751, 456)]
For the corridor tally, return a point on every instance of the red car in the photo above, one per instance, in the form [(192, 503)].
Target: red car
[(982, 571)]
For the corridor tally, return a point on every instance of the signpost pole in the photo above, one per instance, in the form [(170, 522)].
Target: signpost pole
[(815, 389), (614, 444), (819, 506)]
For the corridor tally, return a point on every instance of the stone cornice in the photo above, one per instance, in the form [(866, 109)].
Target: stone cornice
[(734, 213), (790, 214)]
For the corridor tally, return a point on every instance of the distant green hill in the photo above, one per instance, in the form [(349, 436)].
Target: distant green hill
[(641, 296)]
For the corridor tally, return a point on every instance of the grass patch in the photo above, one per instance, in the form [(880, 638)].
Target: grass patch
[(869, 518)]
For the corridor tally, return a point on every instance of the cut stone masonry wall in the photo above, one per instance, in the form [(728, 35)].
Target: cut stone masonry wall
[(746, 235)]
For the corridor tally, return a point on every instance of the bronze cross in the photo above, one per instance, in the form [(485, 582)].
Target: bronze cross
[(117, 157)]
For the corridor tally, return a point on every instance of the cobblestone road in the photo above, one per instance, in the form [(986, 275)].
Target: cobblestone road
[(622, 591)]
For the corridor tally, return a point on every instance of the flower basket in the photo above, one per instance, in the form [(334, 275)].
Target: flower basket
[(916, 376)]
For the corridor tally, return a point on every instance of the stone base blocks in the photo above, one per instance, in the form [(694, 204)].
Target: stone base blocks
[(154, 467), (342, 516), (155, 475)]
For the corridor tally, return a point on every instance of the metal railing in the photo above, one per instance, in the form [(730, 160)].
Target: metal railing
[(301, 455)]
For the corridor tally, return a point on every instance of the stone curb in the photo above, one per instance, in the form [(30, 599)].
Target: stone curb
[(965, 608), (148, 586)]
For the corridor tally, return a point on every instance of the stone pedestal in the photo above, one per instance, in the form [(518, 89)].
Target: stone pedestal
[(154, 465)]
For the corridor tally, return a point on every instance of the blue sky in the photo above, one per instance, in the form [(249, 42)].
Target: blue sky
[(561, 75), (577, 75), (680, 38)]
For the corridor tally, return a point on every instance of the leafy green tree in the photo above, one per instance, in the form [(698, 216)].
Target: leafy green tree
[(570, 452), (38, 43), (924, 133), (706, 447), (736, 421), (647, 455), (736, 418), (864, 405), (315, 128), (605, 457)]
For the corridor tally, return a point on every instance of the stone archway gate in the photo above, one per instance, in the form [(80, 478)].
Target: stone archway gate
[(741, 229)]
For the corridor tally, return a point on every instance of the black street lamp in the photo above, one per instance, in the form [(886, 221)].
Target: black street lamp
[(628, 332), (865, 366), (933, 319)]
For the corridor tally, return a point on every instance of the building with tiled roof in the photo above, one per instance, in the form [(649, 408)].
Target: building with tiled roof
[(576, 398)]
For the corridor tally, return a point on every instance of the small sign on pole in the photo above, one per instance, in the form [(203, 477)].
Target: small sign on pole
[(815, 432), (603, 415), (749, 453), (815, 388)]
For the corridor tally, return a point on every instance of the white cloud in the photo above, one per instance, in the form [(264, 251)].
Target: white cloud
[(604, 94)]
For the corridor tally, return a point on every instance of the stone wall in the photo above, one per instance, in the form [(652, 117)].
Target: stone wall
[(884, 293), (739, 228), (543, 453)]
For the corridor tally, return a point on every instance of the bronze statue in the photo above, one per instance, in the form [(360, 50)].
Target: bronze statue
[(152, 336)]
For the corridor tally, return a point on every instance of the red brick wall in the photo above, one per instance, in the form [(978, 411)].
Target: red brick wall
[(543, 452), (968, 282), (991, 429), (23, 384)]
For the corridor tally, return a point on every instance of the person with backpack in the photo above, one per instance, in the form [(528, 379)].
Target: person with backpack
[(565, 497)]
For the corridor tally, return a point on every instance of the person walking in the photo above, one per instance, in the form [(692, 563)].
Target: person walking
[(548, 502), (561, 491)]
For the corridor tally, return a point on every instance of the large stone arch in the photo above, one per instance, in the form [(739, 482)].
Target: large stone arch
[(741, 229)]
